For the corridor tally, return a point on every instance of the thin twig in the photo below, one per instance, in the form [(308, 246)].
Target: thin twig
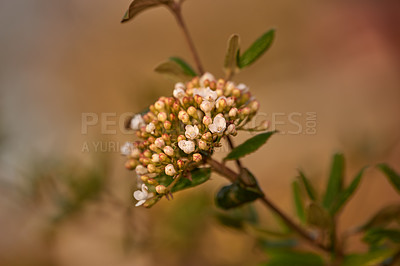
[(176, 10), (232, 146)]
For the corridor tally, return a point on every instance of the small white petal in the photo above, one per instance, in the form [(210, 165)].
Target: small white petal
[(140, 202)]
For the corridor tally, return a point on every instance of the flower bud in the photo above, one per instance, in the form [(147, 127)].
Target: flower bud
[(170, 101), (183, 116), (153, 147), (131, 164), (152, 109), (144, 160), (207, 136), (168, 150), (144, 178), (186, 101), (170, 170), (206, 106), (167, 125), (155, 158), (231, 130), (151, 139), (233, 112), (147, 153), (159, 105), (181, 137), (203, 145), (180, 163), (166, 137), (246, 111), (150, 128), (207, 120), (230, 101), (162, 116), (254, 106), (151, 168), (192, 111), (161, 189), (198, 99), (230, 86), (220, 92), (172, 117), (213, 85), (176, 107), (221, 104), (163, 157), (236, 93), (197, 157), (160, 143), (138, 134)]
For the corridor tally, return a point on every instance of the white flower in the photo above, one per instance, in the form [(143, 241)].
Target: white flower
[(140, 170), (170, 170), (206, 76), (206, 107), (127, 148), (243, 88), (159, 142), (150, 128), (155, 158), (137, 121), (142, 195), (191, 131), (207, 93), (218, 125), (179, 91), (187, 146)]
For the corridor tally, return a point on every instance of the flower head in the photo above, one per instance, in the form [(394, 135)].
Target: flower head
[(142, 195), (170, 170), (188, 146), (137, 122), (191, 131), (218, 125)]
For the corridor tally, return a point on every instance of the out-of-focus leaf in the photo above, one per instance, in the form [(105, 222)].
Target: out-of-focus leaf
[(174, 71), (293, 258), (198, 176), (308, 186), (376, 235), (383, 217), (393, 177), (231, 56), (368, 259), (269, 244), (346, 194), (235, 195), (249, 146), (298, 201), (259, 47), (335, 182), (318, 216), (237, 218), (138, 6), (187, 69)]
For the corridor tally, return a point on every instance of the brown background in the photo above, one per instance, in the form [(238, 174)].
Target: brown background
[(59, 59)]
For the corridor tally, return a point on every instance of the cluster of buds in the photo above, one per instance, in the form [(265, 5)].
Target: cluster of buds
[(179, 132)]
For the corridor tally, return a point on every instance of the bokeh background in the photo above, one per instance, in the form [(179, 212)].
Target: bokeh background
[(61, 59)]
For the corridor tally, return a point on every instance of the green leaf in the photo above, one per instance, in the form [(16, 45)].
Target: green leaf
[(383, 217), (231, 56), (198, 176), (394, 178), (237, 218), (174, 71), (298, 201), (276, 244), (335, 182), (293, 258), (138, 6), (249, 146), (369, 259), (318, 216), (308, 186), (235, 195), (376, 235), (346, 194), (187, 69), (259, 47)]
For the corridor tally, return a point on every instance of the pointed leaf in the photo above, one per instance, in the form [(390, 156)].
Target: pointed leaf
[(249, 146), (231, 56), (293, 258), (318, 216), (259, 47), (335, 182), (173, 70), (138, 6), (198, 176), (234, 195), (394, 178), (298, 201), (346, 194), (383, 217), (376, 235), (308, 186), (187, 69), (371, 258)]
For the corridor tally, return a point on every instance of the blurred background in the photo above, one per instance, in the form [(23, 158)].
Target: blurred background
[(65, 196)]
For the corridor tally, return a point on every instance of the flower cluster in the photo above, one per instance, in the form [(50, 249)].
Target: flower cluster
[(178, 133)]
